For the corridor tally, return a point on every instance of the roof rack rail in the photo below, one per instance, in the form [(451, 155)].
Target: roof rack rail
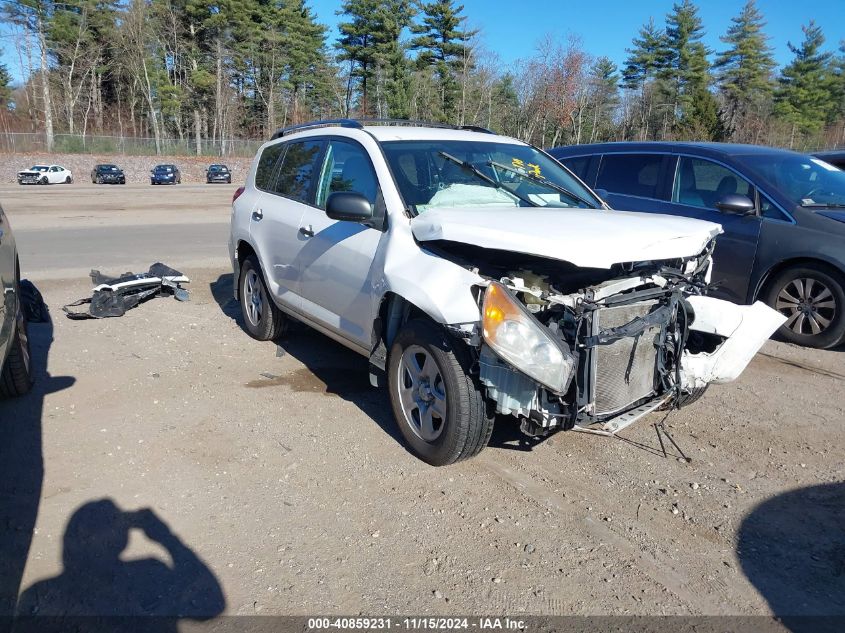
[(315, 124), (360, 123)]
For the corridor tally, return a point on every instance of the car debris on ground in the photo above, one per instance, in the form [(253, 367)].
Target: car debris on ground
[(113, 296)]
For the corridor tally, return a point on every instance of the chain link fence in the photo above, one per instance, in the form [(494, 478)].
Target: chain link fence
[(23, 142)]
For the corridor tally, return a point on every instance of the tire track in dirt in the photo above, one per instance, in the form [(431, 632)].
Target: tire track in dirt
[(656, 566)]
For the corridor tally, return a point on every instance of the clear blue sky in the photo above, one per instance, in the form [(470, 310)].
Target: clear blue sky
[(606, 27)]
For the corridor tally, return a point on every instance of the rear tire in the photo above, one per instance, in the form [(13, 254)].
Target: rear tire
[(16, 375), (438, 406), (68, 180), (263, 321), (812, 297)]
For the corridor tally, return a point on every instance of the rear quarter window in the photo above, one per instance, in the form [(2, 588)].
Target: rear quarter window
[(578, 165), (630, 174), (267, 166)]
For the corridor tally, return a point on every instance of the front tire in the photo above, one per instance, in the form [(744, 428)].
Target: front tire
[(437, 404), (812, 298), (43, 181), (16, 375), (263, 321)]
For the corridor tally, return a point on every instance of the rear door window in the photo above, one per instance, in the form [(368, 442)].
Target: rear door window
[(630, 174), (267, 166), (297, 170), (702, 183)]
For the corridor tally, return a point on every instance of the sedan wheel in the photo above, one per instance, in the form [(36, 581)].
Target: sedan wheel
[(812, 299), (16, 374)]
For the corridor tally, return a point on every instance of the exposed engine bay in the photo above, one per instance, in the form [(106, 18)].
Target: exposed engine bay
[(625, 341)]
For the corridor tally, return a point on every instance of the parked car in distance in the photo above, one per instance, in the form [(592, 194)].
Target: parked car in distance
[(479, 276), (833, 157), (15, 359), (165, 175), (783, 216), (218, 173), (45, 175), (107, 174)]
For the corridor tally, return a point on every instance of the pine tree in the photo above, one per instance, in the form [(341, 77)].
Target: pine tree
[(370, 42), (442, 45), (604, 88), (646, 57), (646, 60), (804, 97), (5, 85), (685, 68), (745, 67)]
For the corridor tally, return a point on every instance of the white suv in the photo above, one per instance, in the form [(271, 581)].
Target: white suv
[(481, 277)]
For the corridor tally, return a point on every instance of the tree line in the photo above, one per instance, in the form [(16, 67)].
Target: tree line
[(213, 70)]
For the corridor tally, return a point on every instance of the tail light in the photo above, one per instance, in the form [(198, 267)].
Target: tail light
[(238, 193)]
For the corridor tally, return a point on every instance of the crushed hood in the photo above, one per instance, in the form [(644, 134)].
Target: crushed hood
[(588, 238)]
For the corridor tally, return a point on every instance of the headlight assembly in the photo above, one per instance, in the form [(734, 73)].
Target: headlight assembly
[(518, 338)]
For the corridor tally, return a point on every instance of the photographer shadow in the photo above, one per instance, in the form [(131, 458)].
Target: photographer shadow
[(107, 592), (22, 464)]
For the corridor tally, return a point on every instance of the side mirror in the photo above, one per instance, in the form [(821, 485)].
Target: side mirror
[(349, 206), (602, 193), (736, 204)]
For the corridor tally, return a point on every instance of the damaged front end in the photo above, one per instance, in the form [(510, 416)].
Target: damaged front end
[(598, 356)]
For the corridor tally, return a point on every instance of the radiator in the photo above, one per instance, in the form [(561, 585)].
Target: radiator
[(626, 369)]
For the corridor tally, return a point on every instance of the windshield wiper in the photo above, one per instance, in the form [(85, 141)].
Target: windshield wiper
[(542, 181), (480, 174), (824, 205)]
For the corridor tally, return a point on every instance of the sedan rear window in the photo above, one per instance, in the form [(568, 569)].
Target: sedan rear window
[(630, 174)]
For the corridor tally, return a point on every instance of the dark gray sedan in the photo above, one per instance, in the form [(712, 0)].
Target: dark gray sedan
[(218, 173), (783, 215), (15, 364)]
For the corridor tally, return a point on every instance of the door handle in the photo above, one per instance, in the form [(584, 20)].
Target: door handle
[(257, 214), (307, 231)]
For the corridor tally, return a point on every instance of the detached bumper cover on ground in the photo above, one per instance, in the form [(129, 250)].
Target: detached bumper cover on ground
[(113, 296)]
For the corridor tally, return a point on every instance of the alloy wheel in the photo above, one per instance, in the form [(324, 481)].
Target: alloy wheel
[(253, 297), (422, 393), (808, 304)]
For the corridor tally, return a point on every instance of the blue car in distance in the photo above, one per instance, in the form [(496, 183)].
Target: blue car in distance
[(783, 216), (165, 175)]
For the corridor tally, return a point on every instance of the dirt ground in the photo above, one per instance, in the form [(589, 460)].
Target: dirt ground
[(277, 482)]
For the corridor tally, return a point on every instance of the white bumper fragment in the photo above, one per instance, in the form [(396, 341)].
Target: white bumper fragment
[(746, 328)]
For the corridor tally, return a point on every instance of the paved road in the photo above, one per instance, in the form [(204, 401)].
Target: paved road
[(70, 252), (64, 232)]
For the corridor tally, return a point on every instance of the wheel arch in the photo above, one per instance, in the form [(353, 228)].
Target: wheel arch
[(394, 311), (243, 249), (766, 278)]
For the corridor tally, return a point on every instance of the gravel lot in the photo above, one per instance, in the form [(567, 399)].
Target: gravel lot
[(287, 490)]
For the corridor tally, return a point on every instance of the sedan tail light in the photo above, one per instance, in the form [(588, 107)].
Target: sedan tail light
[(238, 193)]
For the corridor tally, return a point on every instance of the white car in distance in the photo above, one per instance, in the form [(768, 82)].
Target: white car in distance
[(481, 277), (45, 175)]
